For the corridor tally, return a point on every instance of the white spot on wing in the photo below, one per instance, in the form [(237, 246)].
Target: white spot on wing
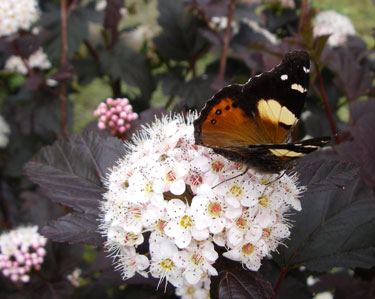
[(306, 70), (298, 87), (284, 77)]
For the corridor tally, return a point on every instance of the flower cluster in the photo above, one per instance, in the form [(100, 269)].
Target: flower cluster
[(21, 250), (189, 199), (17, 15), (37, 60), (4, 132), (116, 115), (335, 24)]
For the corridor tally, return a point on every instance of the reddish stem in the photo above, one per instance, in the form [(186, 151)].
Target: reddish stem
[(204, 18), (226, 39), (283, 272), (63, 62), (326, 104)]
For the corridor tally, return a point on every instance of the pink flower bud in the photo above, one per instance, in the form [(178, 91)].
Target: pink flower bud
[(122, 129), (14, 277), (120, 122), (6, 272), (114, 117), (41, 251), (123, 114), (101, 125), (135, 116), (127, 126), (109, 101), (25, 278), (111, 124)]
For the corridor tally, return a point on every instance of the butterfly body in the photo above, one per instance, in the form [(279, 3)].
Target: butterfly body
[(252, 123)]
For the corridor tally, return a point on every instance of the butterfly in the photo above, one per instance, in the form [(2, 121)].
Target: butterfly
[(252, 123)]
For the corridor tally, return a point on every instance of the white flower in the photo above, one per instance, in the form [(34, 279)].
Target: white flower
[(182, 199), (201, 290), (21, 250), (196, 261), (163, 262), (181, 225), (4, 132), (36, 60), (16, 15), (131, 263), (335, 24)]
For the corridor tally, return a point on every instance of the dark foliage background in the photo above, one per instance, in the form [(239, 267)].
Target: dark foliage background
[(52, 177)]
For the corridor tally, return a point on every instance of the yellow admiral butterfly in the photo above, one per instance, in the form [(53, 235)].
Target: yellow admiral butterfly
[(252, 123)]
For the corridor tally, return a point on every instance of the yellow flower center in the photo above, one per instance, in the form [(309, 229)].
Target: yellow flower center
[(214, 209), (263, 201), (266, 233), (160, 226), (170, 176), (236, 190), (148, 187), (196, 259), (217, 166), (167, 264), (186, 222), (241, 223), (190, 291), (248, 249), (130, 239)]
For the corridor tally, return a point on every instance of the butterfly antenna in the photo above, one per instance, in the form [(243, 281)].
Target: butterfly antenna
[(236, 176), (278, 178)]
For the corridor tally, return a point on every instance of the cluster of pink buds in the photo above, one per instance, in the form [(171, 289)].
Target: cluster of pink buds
[(116, 115), (21, 250)]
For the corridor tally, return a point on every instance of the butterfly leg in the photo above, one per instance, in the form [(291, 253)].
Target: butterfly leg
[(236, 176)]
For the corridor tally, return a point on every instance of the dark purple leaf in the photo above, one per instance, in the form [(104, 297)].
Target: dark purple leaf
[(352, 78), (361, 151), (113, 14), (213, 8), (65, 72), (180, 39), (236, 282), (324, 175), (360, 108), (71, 171), (34, 80), (332, 230), (344, 286), (77, 228)]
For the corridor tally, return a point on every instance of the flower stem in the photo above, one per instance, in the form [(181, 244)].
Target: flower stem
[(325, 102), (225, 45), (283, 272), (63, 62)]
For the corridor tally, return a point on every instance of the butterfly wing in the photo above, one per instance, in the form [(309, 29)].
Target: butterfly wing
[(223, 123), (251, 123), (272, 157)]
